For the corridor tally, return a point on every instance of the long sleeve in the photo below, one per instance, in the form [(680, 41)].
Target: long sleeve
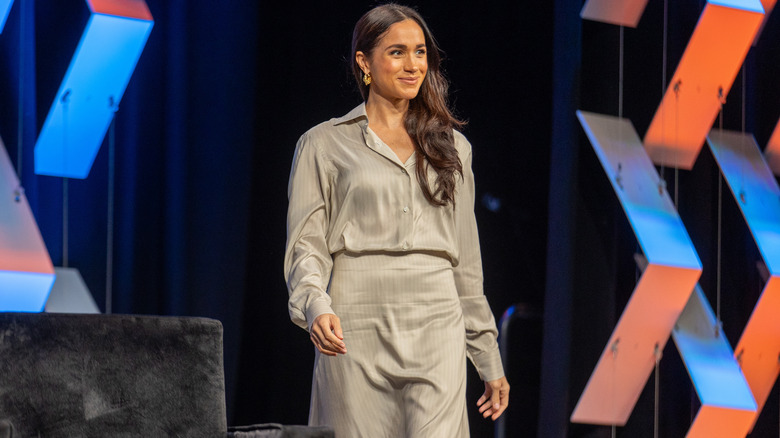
[(307, 261), (481, 332)]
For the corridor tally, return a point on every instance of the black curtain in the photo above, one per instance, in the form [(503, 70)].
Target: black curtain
[(204, 138), (184, 137)]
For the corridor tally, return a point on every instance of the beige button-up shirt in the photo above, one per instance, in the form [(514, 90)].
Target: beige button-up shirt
[(349, 191)]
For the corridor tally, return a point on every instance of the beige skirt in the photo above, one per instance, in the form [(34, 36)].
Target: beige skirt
[(404, 374)]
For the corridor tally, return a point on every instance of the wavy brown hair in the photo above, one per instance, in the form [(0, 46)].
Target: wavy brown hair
[(429, 120)]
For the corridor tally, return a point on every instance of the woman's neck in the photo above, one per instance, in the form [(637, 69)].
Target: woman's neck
[(386, 113)]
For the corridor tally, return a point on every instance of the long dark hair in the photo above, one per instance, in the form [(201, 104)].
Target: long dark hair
[(429, 120)]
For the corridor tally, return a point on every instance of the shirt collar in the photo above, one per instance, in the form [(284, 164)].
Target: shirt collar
[(358, 113)]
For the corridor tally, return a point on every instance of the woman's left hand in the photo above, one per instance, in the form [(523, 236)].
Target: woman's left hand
[(495, 399)]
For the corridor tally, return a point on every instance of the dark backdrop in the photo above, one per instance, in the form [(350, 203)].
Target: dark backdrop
[(204, 139), (590, 271)]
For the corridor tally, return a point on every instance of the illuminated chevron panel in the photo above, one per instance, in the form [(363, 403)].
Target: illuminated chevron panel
[(94, 83), (727, 405), (5, 8), (710, 63), (620, 12), (26, 272), (758, 196), (664, 287)]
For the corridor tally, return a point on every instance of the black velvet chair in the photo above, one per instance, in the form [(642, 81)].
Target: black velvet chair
[(102, 376)]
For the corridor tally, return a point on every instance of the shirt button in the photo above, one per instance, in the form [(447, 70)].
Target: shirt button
[(403, 171), (406, 245), (406, 209)]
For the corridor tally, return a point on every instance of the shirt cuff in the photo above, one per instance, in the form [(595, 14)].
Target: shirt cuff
[(317, 308), (488, 365)]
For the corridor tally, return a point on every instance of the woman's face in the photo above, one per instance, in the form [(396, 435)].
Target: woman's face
[(398, 63)]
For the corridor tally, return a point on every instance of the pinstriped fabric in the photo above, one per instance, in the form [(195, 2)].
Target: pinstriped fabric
[(404, 373), (364, 243)]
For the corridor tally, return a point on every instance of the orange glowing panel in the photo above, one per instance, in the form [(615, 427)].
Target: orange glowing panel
[(122, 8), (758, 349), (757, 193), (772, 151), (628, 359), (664, 287), (717, 422), (703, 78), (620, 12)]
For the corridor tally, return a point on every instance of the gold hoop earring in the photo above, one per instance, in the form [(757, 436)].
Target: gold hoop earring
[(367, 78)]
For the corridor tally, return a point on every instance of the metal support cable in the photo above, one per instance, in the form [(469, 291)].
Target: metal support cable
[(620, 75), (110, 215), (20, 108)]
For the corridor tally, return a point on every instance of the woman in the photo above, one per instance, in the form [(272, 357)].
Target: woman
[(382, 250)]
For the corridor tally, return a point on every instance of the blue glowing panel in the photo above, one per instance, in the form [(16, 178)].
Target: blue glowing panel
[(673, 268), (758, 197), (24, 291), (715, 373), (642, 194), (754, 187), (5, 8), (89, 95), (26, 272), (745, 5)]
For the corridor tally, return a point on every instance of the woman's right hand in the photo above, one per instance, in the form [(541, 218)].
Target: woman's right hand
[(325, 333)]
